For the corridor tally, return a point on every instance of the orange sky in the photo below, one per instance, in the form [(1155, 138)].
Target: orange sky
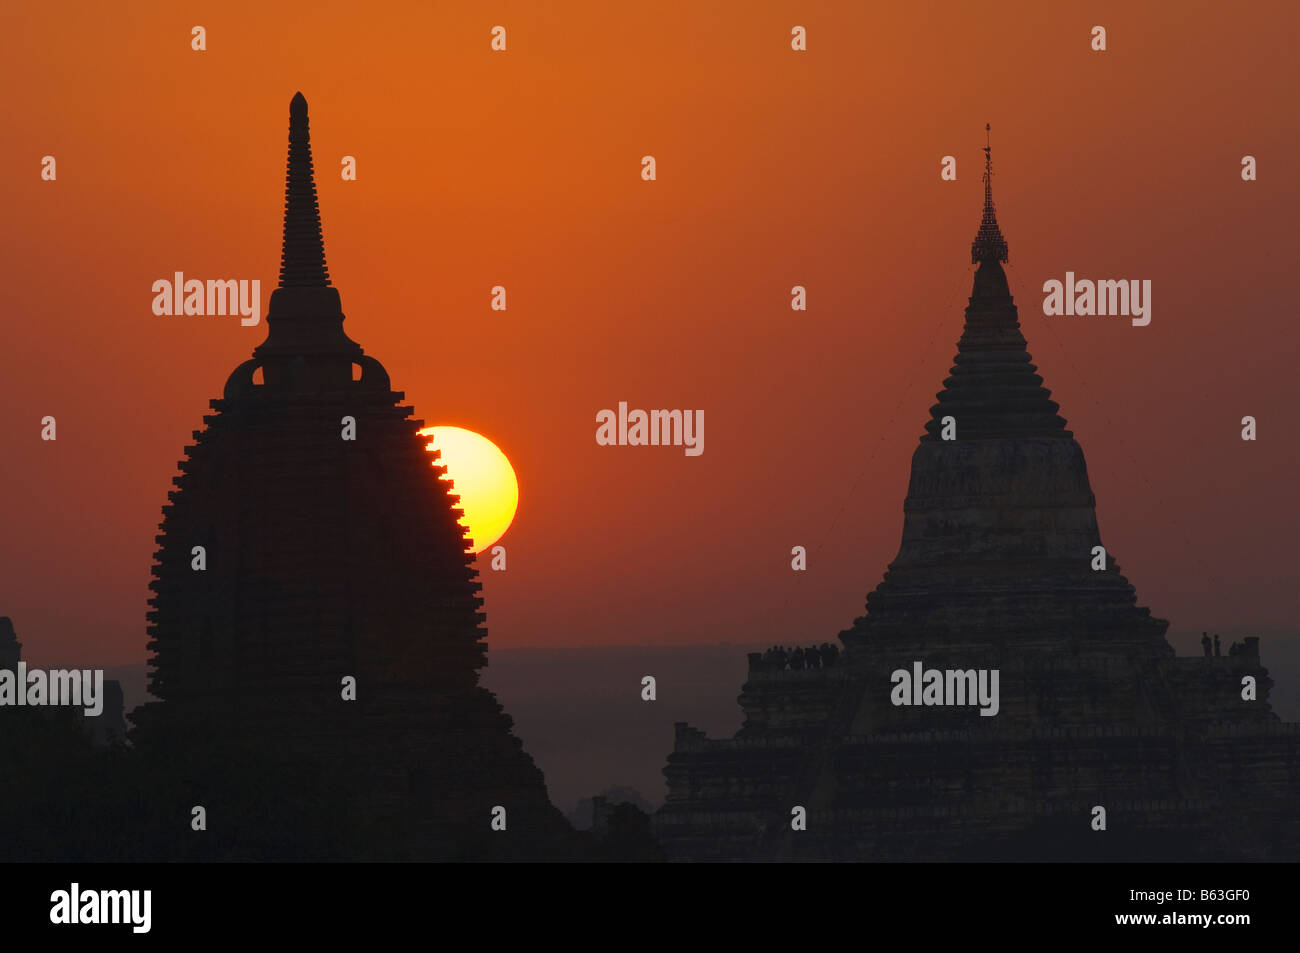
[(775, 168)]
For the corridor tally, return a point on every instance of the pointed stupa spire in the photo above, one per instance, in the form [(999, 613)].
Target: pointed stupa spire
[(302, 260), (305, 347), (994, 390), (989, 245)]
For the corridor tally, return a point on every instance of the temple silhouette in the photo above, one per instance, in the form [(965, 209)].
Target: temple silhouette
[(325, 559), (996, 570)]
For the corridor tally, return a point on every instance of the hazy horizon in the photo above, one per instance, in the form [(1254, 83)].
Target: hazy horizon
[(608, 736)]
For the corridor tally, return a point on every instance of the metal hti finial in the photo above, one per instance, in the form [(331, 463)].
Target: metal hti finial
[(989, 245)]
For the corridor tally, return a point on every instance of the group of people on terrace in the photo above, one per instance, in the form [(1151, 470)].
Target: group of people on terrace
[(779, 657), (1234, 649)]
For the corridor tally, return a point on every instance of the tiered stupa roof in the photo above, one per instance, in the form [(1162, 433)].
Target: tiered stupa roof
[(1000, 522)]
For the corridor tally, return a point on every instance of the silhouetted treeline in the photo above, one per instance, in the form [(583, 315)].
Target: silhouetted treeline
[(64, 799)]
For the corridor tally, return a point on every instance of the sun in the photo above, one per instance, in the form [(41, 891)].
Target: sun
[(484, 478)]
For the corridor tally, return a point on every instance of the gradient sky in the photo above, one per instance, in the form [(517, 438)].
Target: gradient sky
[(775, 168)]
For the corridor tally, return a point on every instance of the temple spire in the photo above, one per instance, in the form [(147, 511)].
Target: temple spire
[(306, 349), (989, 245), (302, 260)]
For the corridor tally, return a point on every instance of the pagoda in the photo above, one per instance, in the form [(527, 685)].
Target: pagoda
[(315, 603), (1001, 568)]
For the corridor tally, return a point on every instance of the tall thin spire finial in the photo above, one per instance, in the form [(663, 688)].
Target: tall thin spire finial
[(302, 260), (989, 245)]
